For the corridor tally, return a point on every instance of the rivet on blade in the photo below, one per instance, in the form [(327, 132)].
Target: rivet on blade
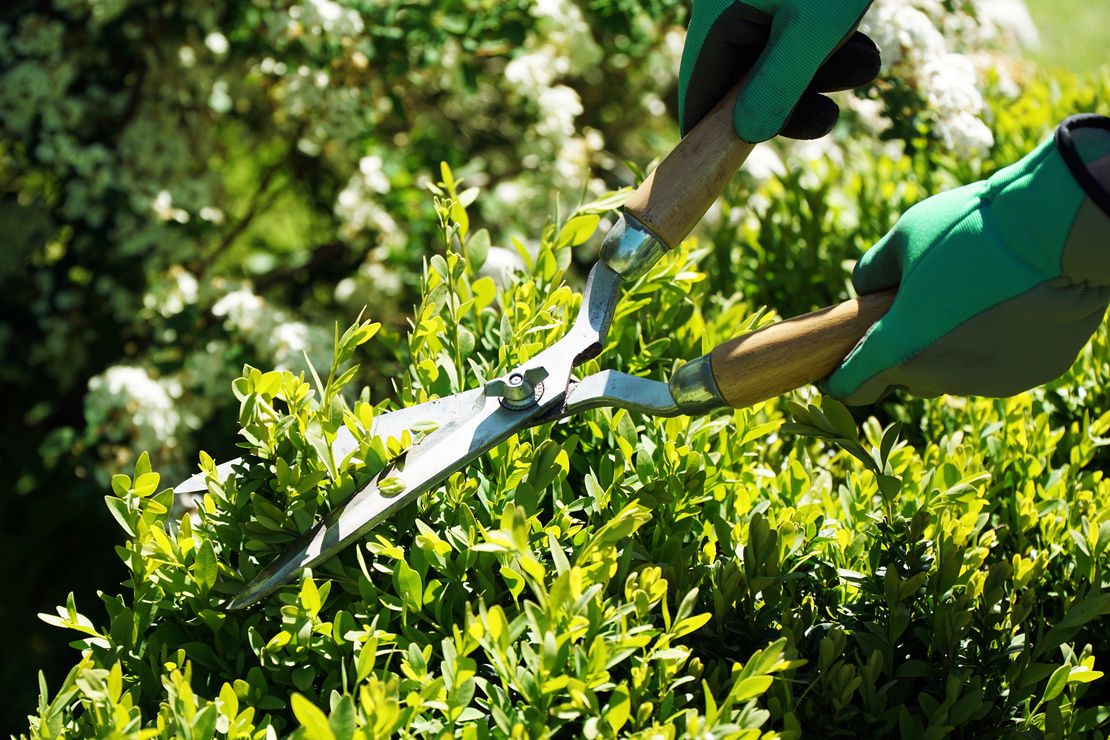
[(518, 390)]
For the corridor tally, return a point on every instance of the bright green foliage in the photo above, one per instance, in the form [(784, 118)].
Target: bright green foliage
[(774, 572), (189, 187), (609, 576)]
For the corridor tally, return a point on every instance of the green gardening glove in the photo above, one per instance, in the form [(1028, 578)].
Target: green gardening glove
[(786, 49), (1000, 283)]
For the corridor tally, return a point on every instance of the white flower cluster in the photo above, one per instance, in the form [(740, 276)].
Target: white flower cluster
[(131, 161), (129, 410), (323, 104), (321, 20), (273, 332), (564, 46), (358, 205), (943, 55)]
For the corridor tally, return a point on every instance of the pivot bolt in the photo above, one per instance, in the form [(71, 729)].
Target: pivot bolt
[(518, 390)]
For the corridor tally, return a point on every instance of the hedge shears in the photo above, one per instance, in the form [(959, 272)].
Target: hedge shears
[(737, 373)]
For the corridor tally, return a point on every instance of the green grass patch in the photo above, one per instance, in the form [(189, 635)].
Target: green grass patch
[(1073, 34)]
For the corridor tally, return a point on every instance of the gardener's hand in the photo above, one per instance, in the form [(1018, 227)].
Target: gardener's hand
[(1000, 283), (786, 48)]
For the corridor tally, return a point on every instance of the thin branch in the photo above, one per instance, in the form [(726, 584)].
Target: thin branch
[(261, 201)]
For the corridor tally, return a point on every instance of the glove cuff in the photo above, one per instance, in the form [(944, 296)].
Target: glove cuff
[(1083, 141)]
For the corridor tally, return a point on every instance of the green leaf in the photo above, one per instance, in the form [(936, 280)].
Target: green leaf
[(205, 570), (468, 196), (690, 624), (1079, 614), (752, 687), (409, 586), (146, 484), (459, 216), (312, 719), (120, 511), (619, 708), (476, 250), (342, 720), (577, 230), (840, 419), (347, 376), (204, 723), (314, 436), (1080, 542), (608, 202), (391, 486), (799, 413), (366, 332), (889, 486), (533, 568), (246, 409), (269, 384), (485, 292), (1083, 674), (367, 654), (241, 386), (310, 597), (548, 463), (142, 465), (447, 178), (121, 485), (513, 580), (466, 342), (1053, 722), (439, 266), (497, 625), (229, 701), (524, 254), (686, 606), (1056, 683), (890, 437)]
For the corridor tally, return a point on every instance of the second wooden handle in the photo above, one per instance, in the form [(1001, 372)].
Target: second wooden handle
[(680, 190), (784, 356)]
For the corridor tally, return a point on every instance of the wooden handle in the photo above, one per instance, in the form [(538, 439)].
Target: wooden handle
[(680, 190), (779, 358)]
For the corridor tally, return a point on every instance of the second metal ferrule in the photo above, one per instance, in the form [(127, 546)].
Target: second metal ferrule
[(630, 248), (694, 389)]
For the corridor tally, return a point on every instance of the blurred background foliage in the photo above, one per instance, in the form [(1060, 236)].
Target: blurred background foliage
[(189, 187)]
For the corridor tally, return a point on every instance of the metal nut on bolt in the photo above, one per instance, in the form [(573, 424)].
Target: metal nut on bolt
[(518, 390)]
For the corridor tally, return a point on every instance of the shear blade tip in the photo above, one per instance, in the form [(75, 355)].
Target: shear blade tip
[(240, 602)]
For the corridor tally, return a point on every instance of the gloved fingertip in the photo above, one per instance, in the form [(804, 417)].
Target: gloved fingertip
[(880, 267), (855, 64), (756, 129), (813, 117)]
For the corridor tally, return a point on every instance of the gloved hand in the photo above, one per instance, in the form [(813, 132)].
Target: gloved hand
[(786, 47), (1000, 283)]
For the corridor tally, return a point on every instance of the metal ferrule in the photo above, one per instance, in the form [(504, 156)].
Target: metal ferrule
[(694, 389), (630, 248)]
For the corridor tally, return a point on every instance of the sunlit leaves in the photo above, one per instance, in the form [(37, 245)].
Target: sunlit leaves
[(614, 575)]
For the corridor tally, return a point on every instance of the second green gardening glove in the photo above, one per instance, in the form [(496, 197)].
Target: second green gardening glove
[(786, 50), (1000, 283)]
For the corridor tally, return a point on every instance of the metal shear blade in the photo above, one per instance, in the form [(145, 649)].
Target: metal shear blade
[(470, 424)]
